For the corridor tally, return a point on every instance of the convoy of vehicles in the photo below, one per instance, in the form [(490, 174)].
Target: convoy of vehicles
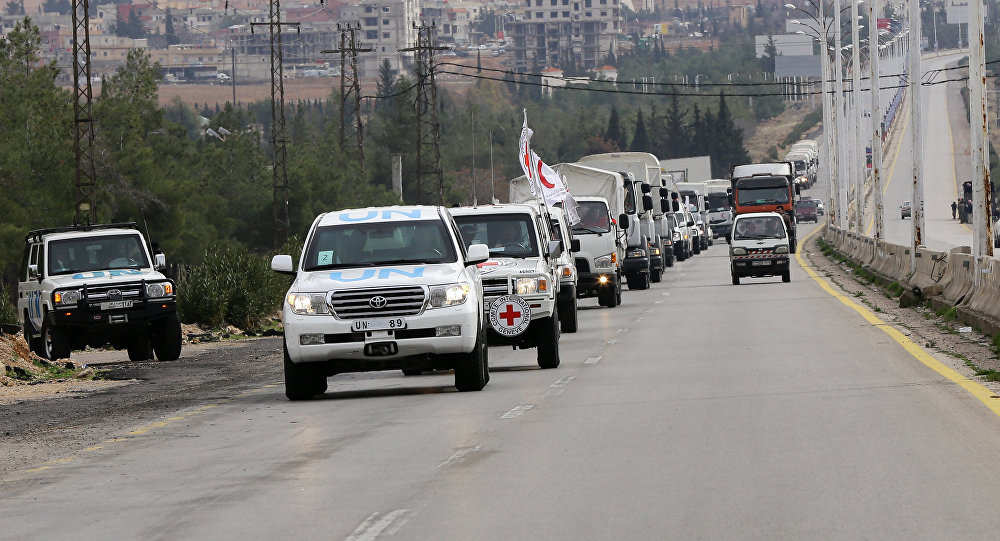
[(759, 247), (94, 286)]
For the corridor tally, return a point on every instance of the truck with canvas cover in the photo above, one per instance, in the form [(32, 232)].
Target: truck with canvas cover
[(765, 187), (696, 193), (639, 169), (603, 200), (520, 283), (720, 213)]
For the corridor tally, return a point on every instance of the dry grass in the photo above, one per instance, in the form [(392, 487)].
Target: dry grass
[(771, 132)]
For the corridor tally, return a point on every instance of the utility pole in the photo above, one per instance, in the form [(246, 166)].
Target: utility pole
[(917, 144), (856, 165), (279, 154), (428, 128), (841, 180), (86, 177), (233, 50), (982, 215), (350, 88), (876, 110)]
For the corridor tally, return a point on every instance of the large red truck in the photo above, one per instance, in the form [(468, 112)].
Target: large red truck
[(765, 187)]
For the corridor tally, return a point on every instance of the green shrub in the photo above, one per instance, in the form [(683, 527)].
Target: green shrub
[(231, 286), (772, 153), (808, 121), (8, 308), (995, 345)]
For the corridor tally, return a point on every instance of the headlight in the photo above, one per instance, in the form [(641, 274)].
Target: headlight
[(677, 235), (739, 251), (159, 289), (307, 303), (783, 249), (449, 295), (654, 251), (63, 298), (603, 262), (567, 272), (528, 286), (637, 252)]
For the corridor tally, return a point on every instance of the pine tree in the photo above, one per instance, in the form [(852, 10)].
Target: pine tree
[(640, 141), (168, 30), (614, 132), (727, 139), (676, 136)]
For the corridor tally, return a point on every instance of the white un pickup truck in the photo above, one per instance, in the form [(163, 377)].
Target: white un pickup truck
[(387, 288)]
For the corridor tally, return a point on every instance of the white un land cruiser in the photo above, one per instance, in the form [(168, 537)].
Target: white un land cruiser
[(96, 285), (519, 281), (383, 289)]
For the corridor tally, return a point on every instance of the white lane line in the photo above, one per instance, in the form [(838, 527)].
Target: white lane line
[(593, 360), (658, 302), (650, 310), (374, 525), (558, 387), (562, 381), (623, 331), (611, 342), (638, 319), (517, 411), (459, 455), (665, 293)]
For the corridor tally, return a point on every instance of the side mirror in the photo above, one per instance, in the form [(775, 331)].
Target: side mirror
[(647, 202), (646, 188), (675, 196), (690, 223), (159, 262), (32, 272), (664, 192), (664, 204), (477, 253), (282, 264), (623, 221), (555, 248), (677, 205), (575, 245), (706, 205)]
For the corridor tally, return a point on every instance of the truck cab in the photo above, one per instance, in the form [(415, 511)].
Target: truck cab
[(520, 279), (96, 285), (383, 288), (766, 187), (696, 195), (720, 213)]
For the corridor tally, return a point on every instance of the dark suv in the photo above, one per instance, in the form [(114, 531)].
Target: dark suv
[(805, 210)]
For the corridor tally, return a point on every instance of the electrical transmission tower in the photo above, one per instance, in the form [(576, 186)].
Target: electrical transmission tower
[(350, 89), (430, 177), (279, 154), (86, 182)]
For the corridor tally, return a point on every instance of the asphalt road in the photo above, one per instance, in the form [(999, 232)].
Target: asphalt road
[(697, 409)]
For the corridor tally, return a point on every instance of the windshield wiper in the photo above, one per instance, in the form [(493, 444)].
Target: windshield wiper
[(408, 262), (329, 266), (588, 230)]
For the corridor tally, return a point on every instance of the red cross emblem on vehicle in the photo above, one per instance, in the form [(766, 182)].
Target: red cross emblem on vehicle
[(509, 315)]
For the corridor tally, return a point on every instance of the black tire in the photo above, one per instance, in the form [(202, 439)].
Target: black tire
[(567, 316), (472, 370), (632, 279), (140, 349), (609, 296), (303, 381), (547, 341), (618, 292), (786, 276), (696, 247), (670, 261), (55, 342), (34, 342), (655, 275), (166, 338), (791, 244), (736, 279)]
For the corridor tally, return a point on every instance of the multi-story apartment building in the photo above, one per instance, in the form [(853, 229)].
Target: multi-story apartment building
[(560, 32), (386, 27)]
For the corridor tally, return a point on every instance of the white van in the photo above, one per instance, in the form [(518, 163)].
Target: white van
[(759, 247)]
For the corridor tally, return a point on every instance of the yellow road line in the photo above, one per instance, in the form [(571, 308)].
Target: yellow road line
[(980, 392)]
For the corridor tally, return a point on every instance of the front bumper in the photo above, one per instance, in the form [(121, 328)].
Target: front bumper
[(635, 264), (589, 284), (91, 319), (764, 266), (420, 337)]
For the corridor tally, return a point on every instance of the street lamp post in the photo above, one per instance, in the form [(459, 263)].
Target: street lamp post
[(854, 163), (873, 57)]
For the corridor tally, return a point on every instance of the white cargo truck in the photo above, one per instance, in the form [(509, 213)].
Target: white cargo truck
[(720, 214), (696, 194), (642, 168), (603, 201)]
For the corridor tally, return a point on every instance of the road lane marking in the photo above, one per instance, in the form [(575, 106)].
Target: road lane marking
[(373, 526), (561, 382), (978, 391), (658, 302), (459, 455), (517, 411), (623, 331), (611, 342), (638, 319), (593, 360), (650, 310)]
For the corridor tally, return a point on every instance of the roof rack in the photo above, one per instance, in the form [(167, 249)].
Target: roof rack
[(38, 233)]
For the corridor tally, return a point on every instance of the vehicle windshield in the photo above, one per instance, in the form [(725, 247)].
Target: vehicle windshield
[(718, 202), (759, 227), (384, 243), (85, 254), (594, 218), (681, 219), (507, 235), (762, 196), (807, 203)]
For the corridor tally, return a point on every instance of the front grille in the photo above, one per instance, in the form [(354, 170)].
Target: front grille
[(104, 293), (716, 220), (582, 265), (357, 303), (495, 287)]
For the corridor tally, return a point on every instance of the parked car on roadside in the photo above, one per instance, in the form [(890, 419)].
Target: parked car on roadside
[(906, 210)]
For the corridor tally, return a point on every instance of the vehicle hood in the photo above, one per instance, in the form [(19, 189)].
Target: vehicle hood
[(759, 244), (117, 276), (505, 266), (390, 276)]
